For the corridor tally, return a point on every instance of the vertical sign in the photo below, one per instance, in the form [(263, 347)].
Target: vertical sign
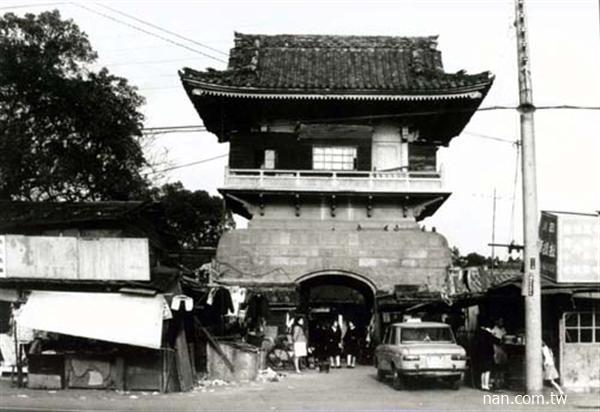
[(2, 256), (548, 245)]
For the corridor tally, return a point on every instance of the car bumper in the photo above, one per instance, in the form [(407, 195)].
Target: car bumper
[(434, 373)]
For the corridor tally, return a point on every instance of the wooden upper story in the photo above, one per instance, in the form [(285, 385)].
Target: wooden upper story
[(340, 158), (322, 113)]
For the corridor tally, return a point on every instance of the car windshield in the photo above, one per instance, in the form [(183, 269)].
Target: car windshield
[(426, 334)]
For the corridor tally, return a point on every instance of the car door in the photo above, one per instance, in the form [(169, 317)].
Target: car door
[(387, 349)]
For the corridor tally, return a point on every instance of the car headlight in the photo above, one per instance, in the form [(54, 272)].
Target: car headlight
[(459, 357), (411, 357)]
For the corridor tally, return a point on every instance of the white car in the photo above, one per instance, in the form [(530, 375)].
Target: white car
[(420, 349)]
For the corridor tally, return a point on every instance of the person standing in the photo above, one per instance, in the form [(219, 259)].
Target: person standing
[(351, 344), (299, 341), (500, 357), (550, 372), (486, 341), (335, 345)]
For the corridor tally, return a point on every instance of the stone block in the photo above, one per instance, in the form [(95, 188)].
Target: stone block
[(410, 263), (282, 238), (416, 253), (280, 261), (385, 257), (298, 261)]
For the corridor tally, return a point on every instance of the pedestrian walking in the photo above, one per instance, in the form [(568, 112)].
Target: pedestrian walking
[(550, 372)]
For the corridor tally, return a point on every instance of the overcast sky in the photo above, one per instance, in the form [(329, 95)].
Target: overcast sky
[(473, 35)]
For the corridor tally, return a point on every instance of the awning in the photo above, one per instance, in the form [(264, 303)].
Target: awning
[(112, 317)]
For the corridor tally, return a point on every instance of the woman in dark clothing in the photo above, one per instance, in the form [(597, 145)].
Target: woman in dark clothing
[(319, 340), (335, 344), (351, 344), (486, 341)]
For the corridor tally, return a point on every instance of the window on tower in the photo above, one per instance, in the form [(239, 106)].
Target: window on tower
[(270, 159), (334, 158)]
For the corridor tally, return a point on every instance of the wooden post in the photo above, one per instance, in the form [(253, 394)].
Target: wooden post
[(493, 233), (531, 275)]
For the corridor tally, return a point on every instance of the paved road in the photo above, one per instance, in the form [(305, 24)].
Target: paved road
[(341, 390)]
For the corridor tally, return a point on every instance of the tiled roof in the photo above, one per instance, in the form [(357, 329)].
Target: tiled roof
[(473, 280), (304, 64), (34, 213)]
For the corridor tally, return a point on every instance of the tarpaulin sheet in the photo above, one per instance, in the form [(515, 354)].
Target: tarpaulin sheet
[(112, 317)]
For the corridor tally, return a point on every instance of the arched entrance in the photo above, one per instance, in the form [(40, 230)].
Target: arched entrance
[(330, 295)]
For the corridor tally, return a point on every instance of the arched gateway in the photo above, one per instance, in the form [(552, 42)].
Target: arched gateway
[(325, 295)]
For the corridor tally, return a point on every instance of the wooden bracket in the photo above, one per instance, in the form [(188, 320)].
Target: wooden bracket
[(370, 206), (297, 204), (261, 204), (333, 205)]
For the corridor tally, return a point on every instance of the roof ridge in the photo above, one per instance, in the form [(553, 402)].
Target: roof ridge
[(334, 41), (315, 35)]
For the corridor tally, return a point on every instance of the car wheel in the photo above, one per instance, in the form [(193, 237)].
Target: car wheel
[(380, 372), (398, 383), (455, 383)]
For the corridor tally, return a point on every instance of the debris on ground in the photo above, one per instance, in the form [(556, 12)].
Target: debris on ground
[(269, 375), (265, 375), (209, 383)]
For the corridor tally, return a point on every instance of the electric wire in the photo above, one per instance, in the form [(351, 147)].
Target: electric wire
[(486, 136), (162, 29), (134, 27), (23, 6), (168, 169), (514, 195), (194, 128)]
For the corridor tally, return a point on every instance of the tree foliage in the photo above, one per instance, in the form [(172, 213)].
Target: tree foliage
[(475, 259), (195, 218), (66, 132)]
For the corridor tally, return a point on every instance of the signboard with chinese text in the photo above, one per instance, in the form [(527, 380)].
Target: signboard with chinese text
[(570, 246)]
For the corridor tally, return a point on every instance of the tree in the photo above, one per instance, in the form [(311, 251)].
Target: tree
[(66, 132), (455, 256), (195, 218)]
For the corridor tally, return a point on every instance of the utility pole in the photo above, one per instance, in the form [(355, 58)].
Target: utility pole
[(531, 275), (493, 233)]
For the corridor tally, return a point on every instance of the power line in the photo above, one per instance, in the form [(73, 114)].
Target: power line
[(162, 29), (174, 129), (514, 196), (23, 6), (148, 32), (486, 136), (567, 107), (450, 111), (199, 127), (147, 62), (168, 169)]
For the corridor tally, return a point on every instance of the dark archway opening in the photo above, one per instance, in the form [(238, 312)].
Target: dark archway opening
[(327, 297)]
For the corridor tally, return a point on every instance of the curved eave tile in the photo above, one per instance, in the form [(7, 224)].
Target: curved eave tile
[(197, 88)]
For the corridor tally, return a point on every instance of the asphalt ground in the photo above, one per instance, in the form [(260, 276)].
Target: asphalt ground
[(341, 390)]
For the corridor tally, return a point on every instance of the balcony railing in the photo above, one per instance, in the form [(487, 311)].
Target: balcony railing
[(337, 181)]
